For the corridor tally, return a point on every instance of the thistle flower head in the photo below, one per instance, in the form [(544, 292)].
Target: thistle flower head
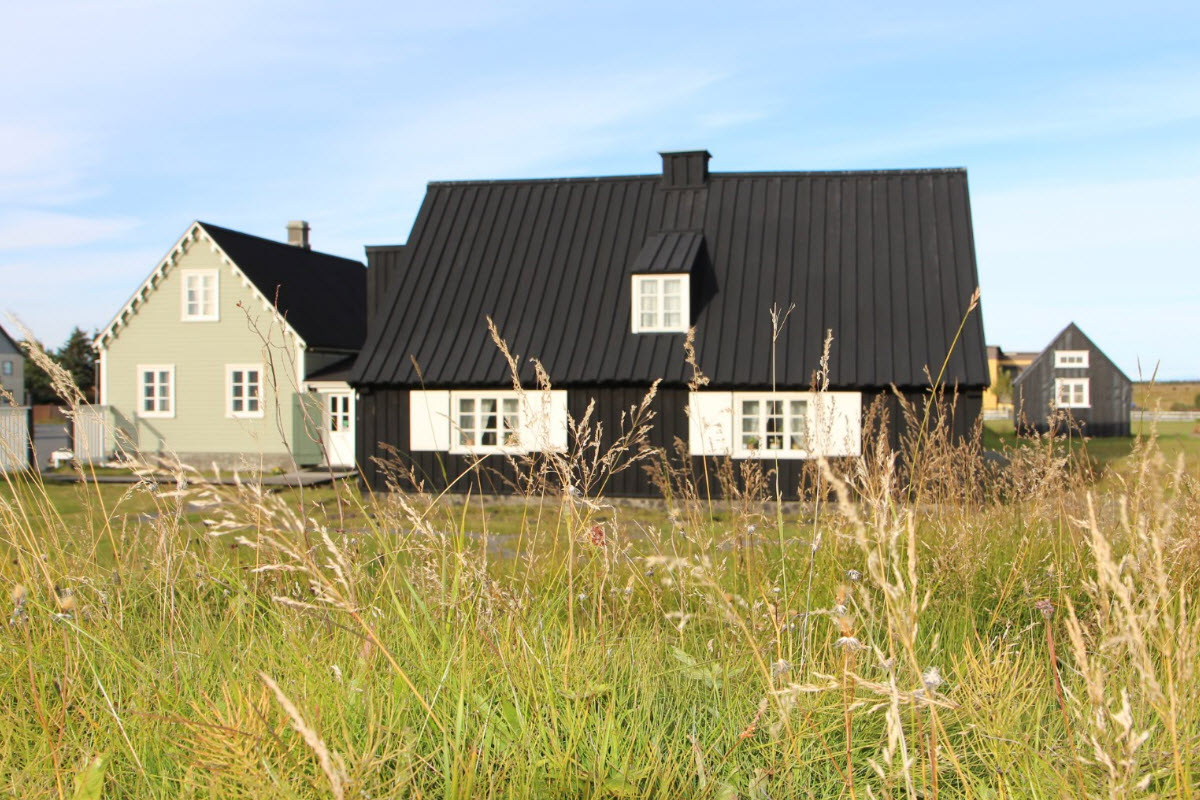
[(1046, 607), (932, 678)]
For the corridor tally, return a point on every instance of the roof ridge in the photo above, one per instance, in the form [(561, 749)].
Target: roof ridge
[(293, 248), (655, 176)]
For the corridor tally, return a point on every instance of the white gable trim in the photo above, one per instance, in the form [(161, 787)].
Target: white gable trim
[(194, 234)]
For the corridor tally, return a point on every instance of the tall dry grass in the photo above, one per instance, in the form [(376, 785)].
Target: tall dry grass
[(934, 627)]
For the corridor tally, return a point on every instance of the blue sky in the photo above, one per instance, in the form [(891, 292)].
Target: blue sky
[(1079, 125)]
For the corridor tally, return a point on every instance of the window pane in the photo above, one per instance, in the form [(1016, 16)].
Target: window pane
[(649, 320), (649, 286), (466, 406), (672, 286), (672, 319)]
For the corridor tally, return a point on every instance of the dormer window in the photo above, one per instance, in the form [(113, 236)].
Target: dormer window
[(1068, 359), (200, 295), (660, 303)]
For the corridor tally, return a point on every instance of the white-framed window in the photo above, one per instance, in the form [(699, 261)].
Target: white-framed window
[(6, 367), (1072, 393), (661, 303), (771, 425), (767, 424), (483, 421), (200, 294), (243, 390), (156, 390), (486, 422), (1067, 359)]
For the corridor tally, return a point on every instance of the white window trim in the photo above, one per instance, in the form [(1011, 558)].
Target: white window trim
[(139, 381), (786, 398), (1063, 359), (1073, 382), (635, 293), (185, 275), (456, 445), (229, 412)]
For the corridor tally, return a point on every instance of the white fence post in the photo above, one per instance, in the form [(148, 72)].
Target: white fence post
[(15, 444)]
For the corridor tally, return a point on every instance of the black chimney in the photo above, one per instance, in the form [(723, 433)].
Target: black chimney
[(685, 170)]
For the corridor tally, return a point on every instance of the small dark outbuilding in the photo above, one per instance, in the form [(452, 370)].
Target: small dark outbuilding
[(601, 278), (1073, 377)]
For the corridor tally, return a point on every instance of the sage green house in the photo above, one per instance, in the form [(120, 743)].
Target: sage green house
[(234, 351)]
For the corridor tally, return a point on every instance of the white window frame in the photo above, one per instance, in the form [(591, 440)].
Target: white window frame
[(789, 419), (1071, 385), (638, 286), (458, 431), (229, 386), (187, 276), (140, 391), (1071, 359)]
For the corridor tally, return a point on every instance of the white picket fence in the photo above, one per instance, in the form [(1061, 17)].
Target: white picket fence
[(14, 438), (91, 434)]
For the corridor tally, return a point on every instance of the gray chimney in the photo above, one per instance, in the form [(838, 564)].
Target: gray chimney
[(688, 169), (298, 233)]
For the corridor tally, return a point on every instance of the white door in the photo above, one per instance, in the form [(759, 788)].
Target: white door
[(339, 429)]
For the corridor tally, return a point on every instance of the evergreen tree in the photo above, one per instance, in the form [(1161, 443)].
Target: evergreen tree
[(37, 383), (77, 357)]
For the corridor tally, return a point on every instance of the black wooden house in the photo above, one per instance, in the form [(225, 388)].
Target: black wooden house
[(600, 278), (1072, 383)]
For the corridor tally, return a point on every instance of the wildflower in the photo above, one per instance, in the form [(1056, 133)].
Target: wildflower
[(1046, 607), (849, 644), (853, 575), (781, 667), (596, 537), (19, 595), (932, 678), (582, 596), (65, 599)]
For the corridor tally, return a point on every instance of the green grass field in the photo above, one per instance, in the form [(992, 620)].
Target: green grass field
[(1026, 632), (1167, 395)]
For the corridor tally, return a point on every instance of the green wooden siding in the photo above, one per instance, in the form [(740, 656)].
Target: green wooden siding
[(246, 333)]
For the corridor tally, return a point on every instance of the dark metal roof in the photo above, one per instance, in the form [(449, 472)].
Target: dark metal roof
[(674, 251), (4, 337), (884, 259), (337, 371), (323, 297), (1071, 337)]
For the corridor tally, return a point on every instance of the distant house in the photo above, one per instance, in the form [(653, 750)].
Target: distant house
[(1003, 369), (12, 367), (1072, 377), (600, 278), (235, 350)]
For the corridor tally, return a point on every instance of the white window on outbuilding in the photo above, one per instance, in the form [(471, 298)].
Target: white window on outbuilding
[(156, 390), (200, 295), (243, 390), (1072, 393), (6, 367), (1070, 359), (661, 303)]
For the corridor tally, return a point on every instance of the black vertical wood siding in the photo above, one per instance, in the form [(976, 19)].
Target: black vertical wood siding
[(383, 418), (1110, 391)]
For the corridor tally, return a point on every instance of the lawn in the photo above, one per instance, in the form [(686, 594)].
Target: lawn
[(1027, 633)]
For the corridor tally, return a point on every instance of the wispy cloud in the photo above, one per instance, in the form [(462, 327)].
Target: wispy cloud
[(28, 229)]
